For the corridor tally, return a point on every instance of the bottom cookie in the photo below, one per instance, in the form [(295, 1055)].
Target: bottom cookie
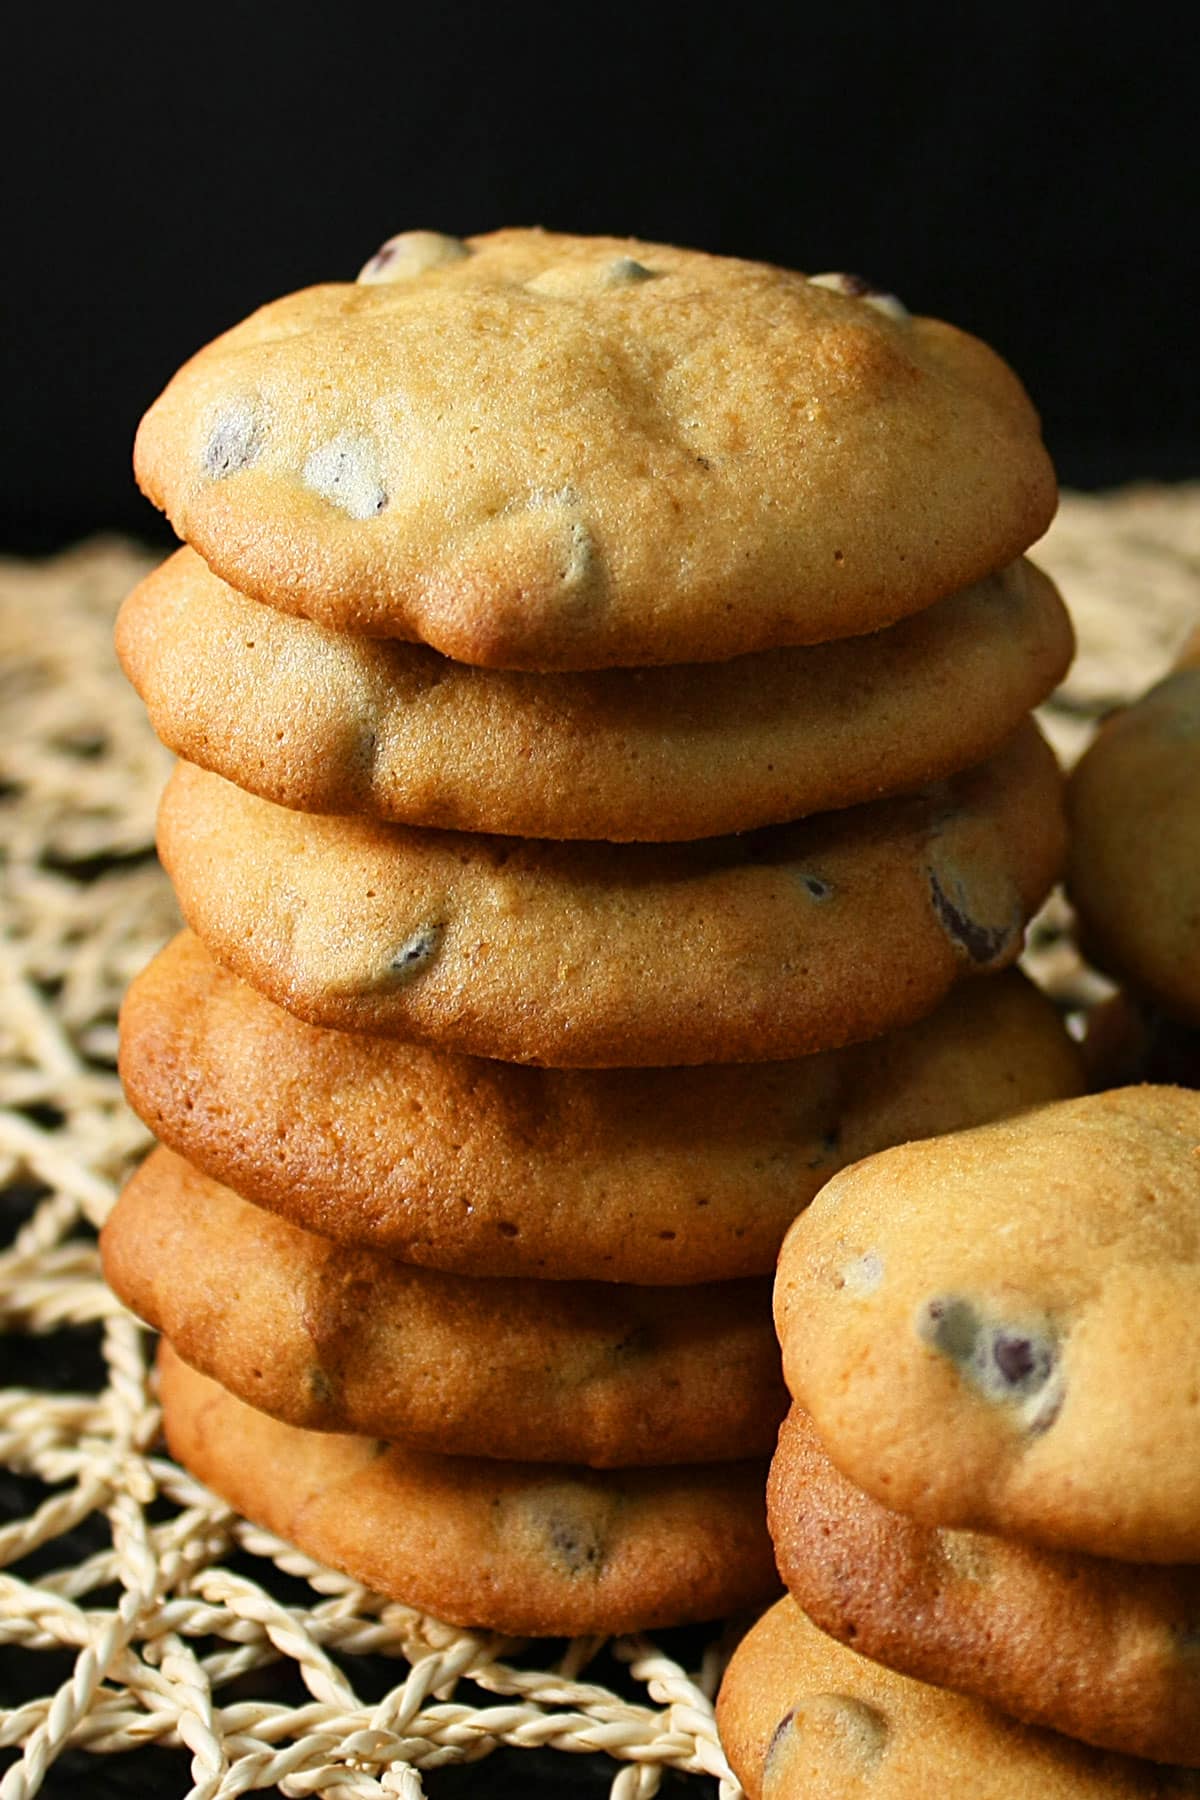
[(531, 1550), (803, 1718), (1103, 1650)]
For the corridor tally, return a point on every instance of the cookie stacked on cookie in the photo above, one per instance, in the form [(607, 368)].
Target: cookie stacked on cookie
[(990, 1478), (602, 674)]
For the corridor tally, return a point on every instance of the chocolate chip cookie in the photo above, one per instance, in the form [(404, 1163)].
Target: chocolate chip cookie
[(532, 450), (999, 1330), (775, 944), (324, 722), (528, 1549)]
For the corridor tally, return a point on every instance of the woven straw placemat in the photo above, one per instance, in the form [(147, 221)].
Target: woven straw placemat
[(176, 1625)]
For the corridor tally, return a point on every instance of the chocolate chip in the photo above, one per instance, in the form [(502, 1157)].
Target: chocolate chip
[(779, 1731), (1002, 1361), (951, 1326), (625, 269), (415, 954), (857, 287), (346, 473), (862, 1276), (319, 1384), (819, 888), (576, 1546), (1015, 1357), (235, 442), (983, 944), (411, 253)]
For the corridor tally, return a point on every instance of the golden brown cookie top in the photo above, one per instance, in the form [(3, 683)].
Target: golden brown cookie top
[(1102, 1650), (532, 450), (803, 1718), (1000, 1329)]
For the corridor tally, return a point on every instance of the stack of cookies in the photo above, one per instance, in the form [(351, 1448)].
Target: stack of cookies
[(990, 1480), (602, 674)]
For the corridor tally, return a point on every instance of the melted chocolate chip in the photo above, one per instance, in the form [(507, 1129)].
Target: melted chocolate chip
[(415, 954), (779, 1731), (235, 442), (576, 1546), (983, 944), (1002, 1361)]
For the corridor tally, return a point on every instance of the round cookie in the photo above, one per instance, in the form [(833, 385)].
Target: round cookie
[(1134, 864), (529, 1549), (323, 722), (803, 1718), (486, 1168), (1106, 1651), (999, 1329), (550, 452), (535, 1371), (799, 938)]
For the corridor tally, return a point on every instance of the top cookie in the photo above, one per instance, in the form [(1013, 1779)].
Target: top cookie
[(539, 451), (1000, 1329)]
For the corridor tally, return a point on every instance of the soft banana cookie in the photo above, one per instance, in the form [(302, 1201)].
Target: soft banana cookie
[(1134, 868), (785, 941), (1103, 1650), (335, 1339), (325, 722), (803, 1718), (1000, 1329), (487, 1168), (539, 451), (531, 1549)]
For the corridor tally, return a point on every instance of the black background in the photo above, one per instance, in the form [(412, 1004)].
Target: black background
[(1027, 172)]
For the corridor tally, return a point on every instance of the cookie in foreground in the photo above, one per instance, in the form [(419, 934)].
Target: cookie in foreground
[(999, 1330), (803, 1718), (1102, 1650)]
